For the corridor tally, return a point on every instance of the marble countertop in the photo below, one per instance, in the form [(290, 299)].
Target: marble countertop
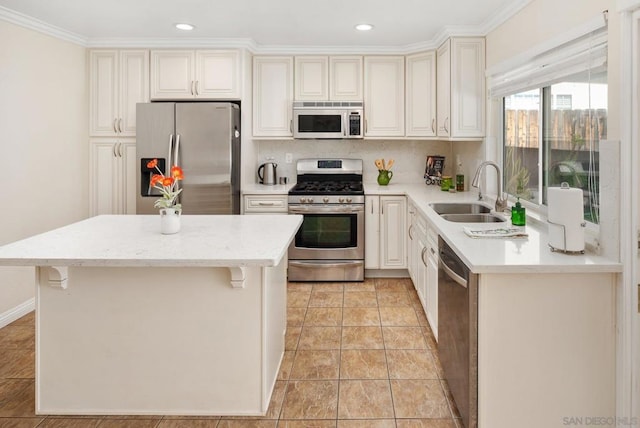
[(495, 255), (135, 240)]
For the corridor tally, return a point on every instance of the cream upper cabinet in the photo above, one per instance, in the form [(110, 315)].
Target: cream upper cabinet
[(189, 74), (345, 78), (118, 79), (312, 78), (461, 88), (272, 96), (421, 95), (384, 96), (321, 78)]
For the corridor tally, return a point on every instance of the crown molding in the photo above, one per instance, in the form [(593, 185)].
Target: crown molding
[(256, 48), (31, 23)]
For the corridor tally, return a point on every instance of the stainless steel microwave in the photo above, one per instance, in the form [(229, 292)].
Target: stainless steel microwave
[(328, 119)]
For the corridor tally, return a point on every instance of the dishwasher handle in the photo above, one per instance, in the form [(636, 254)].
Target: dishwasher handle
[(450, 273)]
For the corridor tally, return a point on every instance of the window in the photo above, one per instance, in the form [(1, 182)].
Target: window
[(554, 115), (551, 135)]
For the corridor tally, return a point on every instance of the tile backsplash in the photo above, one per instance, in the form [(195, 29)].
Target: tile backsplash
[(409, 155)]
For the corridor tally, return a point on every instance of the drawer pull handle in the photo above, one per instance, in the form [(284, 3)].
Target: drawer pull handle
[(266, 204)]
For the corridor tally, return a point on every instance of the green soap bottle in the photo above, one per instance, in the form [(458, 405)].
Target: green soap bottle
[(518, 214)]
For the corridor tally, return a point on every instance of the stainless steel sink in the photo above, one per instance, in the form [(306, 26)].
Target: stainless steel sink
[(460, 208), (473, 218)]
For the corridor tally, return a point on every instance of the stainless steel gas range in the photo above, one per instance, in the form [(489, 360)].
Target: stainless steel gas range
[(329, 246)]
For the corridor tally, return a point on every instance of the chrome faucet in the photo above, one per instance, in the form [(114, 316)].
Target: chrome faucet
[(501, 203)]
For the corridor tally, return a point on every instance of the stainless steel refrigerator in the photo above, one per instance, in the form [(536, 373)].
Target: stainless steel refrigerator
[(204, 140)]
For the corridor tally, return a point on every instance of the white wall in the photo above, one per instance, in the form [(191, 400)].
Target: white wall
[(43, 144)]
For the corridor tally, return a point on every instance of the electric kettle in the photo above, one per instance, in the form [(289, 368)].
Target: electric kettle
[(267, 173)]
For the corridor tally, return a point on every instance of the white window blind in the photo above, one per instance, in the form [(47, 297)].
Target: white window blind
[(583, 49)]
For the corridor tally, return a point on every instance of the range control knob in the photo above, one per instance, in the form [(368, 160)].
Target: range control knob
[(325, 200), (349, 200), (309, 200), (341, 200), (303, 200)]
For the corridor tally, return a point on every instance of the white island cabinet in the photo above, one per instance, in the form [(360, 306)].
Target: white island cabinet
[(130, 321)]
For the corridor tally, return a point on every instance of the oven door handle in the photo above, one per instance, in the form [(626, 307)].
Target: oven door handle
[(325, 264), (325, 210)]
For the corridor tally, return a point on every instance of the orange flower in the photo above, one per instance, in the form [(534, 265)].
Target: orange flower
[(167, 181), (152, 163), (176, 172), (155, 178)]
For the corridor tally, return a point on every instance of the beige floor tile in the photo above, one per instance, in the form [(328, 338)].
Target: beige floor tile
[(326, 299), (365, 399), (320, 338), (286, 364), (367, 423), (328, 286), (411, 364), (422, 317), (17, 398), (360, 316), (247, 423), (314, 364), (393, 298), (393, 284), (291, 338), (312, 399), (419, 399), (275, 405), (298, 299), (317, 423), (362, 338), (20, 422), (188, 423), (425, 423), (363, 364), (129, 423), (452, 404), (361, 299), (398, 316), (403, 338), (368, 284), (17, 336), (295, 316), (429, 338), (17, 363), (300, 286), (70, 423), (28, 319), (323, 317)]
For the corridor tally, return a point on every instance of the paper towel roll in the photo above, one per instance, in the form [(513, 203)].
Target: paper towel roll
[(565, 209)]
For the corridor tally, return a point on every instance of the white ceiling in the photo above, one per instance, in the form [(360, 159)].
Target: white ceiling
[(265, 23)]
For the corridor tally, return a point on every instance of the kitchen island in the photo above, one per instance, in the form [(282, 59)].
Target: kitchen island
[(130, 321)]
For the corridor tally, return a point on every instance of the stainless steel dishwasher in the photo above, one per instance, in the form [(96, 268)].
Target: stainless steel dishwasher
[(458, 331)]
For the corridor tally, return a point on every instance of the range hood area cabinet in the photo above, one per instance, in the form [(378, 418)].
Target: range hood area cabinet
[(195, 74), (118, 79), (461, 88), (328, 78)]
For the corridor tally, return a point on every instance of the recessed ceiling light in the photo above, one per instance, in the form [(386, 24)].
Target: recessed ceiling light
[(185, 27), (364, 27)]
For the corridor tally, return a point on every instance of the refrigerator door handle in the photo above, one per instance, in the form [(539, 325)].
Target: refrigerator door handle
[(168, 166), (176, 151)]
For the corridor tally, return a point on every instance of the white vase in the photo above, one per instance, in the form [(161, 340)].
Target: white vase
[(170, 220)]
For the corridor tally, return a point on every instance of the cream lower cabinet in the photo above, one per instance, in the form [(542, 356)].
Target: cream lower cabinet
[(265, 204), (429, 259), (113, 177), (385, 232)]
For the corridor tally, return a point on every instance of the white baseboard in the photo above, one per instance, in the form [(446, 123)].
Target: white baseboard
[(19, 311)]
